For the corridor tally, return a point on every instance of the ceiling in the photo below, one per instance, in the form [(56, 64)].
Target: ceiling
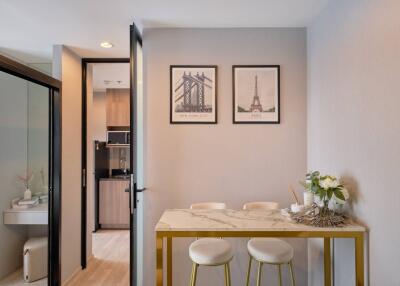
[(110, 75), (29, 29)]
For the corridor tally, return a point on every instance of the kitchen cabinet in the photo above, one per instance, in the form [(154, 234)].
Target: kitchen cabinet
[(117, 107), (114, 203)]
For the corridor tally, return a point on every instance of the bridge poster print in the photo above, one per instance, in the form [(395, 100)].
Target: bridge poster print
[(193, 94), (256, 94)]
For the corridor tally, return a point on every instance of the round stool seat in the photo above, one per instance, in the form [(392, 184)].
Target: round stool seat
[(270, 250), (210, 251)]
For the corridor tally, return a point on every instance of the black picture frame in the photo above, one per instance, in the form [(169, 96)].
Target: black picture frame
[(214, 119), (277, 108)]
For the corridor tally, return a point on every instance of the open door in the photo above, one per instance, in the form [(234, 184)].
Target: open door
[(136, 150)]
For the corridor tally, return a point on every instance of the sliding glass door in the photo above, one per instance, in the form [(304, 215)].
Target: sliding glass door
[(30, 175), (136, 155)]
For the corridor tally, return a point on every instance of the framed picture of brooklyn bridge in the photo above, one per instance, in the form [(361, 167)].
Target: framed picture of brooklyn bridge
[(193, 92), (256, 94)]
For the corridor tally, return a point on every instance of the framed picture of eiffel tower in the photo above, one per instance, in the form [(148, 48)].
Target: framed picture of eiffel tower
[(193, 94), (256, 94)]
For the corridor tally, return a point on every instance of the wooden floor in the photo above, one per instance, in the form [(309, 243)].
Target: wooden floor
[(110, 263), (17, 279)]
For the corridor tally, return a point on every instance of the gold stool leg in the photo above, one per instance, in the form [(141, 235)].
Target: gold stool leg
[(280, 274), (259, 273), (191, 275), (227, 274), (292, 272), (194, 274), (248, 271)]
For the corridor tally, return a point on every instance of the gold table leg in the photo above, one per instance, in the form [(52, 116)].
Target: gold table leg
[(327, 262), (359, 248), (248, 270), (169, 261), (357, 235), (159, 260)]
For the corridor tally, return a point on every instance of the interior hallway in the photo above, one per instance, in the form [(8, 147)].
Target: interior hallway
[(109, 265)]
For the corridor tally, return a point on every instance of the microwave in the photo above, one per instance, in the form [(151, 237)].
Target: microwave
[(118, 137)]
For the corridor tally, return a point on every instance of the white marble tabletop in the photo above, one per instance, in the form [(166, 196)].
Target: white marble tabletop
[(237, 220)]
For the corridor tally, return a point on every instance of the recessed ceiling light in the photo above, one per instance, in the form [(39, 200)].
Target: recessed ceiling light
[(106, 45)]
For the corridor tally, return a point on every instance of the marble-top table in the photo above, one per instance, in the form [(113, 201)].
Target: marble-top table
[(249, 223)]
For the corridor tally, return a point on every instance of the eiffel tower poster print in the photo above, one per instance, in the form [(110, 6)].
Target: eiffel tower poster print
[(193, 94), (256, 94)]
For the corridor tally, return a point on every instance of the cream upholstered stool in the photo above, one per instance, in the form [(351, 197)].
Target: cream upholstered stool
[(268, 250), (210, 251)]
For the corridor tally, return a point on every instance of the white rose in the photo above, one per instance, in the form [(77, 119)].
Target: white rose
[(334, 183), (325, 183), (329, 183)]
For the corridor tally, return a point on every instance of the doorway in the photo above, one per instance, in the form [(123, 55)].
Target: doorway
[(124, 160), (106, 166)]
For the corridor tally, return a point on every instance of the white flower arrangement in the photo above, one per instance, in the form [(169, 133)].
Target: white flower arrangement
[(326, 187)]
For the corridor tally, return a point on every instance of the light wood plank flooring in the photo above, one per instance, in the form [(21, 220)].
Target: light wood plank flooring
[(110, 263)]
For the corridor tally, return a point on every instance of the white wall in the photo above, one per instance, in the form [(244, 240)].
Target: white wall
[(223, 162), (67, 68), (13, 161), (354, 126)]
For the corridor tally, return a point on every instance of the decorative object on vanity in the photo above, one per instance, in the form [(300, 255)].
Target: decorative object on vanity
[(26, 180), (256, 94), (328, 189), (193, 94), (19, 203)]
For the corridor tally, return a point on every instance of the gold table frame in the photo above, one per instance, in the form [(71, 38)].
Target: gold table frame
[(326, 235)]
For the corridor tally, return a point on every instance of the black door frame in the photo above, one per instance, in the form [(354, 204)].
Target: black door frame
[(135, 38), (85, 62), (54, 215)]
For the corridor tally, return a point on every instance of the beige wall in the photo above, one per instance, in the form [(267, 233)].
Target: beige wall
[(67, 68), (354, 127), (91, 119), (223, 162)]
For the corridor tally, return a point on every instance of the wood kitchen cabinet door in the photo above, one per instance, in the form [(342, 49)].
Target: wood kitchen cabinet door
[(117, 107), (114, 203)]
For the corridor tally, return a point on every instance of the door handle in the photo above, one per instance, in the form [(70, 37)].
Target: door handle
[(132, 187)]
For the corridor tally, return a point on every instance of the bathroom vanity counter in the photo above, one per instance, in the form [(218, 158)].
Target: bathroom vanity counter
[(37, 215)]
